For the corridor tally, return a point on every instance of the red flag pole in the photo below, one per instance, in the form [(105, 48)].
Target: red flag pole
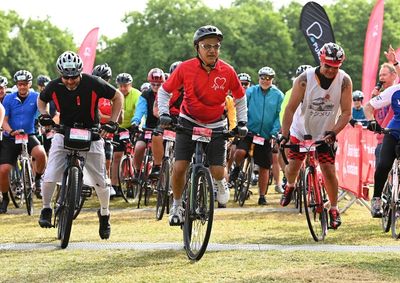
[(87, 50), (372, 48)]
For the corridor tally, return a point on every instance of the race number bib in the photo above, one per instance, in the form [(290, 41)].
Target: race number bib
[(147, 135), (124, 135), (201, 134), (306, 146), (21, 139), (79, 134), (169, 135), (258, 140)]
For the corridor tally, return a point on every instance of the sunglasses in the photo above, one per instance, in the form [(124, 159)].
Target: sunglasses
[(357, 99), (155, 84), (245, 83), (70, 78), (266, 78), (208, 47)]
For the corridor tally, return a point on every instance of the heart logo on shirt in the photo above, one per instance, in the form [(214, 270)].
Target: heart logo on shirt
[(219, 83)]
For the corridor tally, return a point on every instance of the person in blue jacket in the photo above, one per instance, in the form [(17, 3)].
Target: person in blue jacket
[(357, 112), (264, 104)]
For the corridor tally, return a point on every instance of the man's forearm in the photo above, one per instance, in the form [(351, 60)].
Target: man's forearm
[(116, 107), (341, 123)]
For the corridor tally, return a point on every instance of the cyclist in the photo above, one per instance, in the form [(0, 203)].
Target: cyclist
[(105, 109), (177, 96), (389, 97), (131, 98), (207, 81), (264, 104), (324, 92), (145, 86), (20, 112), (357, 113), (76, 97), (145, 107), (3, 87), (245, 80)]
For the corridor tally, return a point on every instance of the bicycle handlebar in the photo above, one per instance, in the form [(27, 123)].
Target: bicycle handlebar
[(298, 146)]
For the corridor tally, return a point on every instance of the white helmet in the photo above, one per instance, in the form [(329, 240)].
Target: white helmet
[(69, 64)]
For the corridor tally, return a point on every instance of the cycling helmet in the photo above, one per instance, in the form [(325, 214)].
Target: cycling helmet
[(42, 80), (332, 54), (166, 75), (144, 87), (124, 78), (3, 81), (266, 71), (174, 66), (244, 77), (103, 71), (301, 69), (69, 64), (358, 95), (206, 31), (23, 75), (156, 75)]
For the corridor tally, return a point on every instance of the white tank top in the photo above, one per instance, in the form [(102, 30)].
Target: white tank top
[(320, 108)]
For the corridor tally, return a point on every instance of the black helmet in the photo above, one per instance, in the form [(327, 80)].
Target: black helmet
[(23, 75), (42, 80), (301, 69), (69, 64), (103, 71), (207, 31), (3, 81), (124, 78), (174, 66)]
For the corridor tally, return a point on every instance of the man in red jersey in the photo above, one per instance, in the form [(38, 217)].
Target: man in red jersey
[(207, 81)]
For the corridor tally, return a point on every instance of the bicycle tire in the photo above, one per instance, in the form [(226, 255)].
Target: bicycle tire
[(78, 208), (27, 185), (316, 214), (67, 208), (386, 198), (162, 190), (199, 213), (15, 191), (395, 211), (299, 192), (246, 182), (125, 174)]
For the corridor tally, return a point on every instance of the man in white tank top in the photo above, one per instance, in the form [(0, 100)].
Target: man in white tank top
[(320, 106)]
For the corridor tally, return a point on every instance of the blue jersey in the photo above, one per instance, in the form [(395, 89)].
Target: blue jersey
[(358, 114), (21, 115)]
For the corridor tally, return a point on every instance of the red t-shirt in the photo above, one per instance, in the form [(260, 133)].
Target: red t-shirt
[(105, 109), (205, 93)]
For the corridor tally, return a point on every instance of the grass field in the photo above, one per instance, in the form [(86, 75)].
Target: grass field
[(231, 226)]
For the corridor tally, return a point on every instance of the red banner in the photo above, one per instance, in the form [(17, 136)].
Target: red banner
[(87, 51), (372, 47)]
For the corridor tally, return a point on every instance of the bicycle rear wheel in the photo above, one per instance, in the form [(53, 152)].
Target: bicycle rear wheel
[(199, 213), (27, 183), (386, 206), (246, 181), (67, 207), (125, 175), (163, 189), (315, 211)]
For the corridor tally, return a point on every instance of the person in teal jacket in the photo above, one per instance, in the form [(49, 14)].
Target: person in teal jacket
[(264, 104)]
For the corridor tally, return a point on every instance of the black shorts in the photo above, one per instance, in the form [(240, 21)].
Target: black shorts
[(9, 150), (262, 154), (185, 146), (108, 149)]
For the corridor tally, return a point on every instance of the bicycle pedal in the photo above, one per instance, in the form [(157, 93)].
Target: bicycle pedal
[(86, 191)]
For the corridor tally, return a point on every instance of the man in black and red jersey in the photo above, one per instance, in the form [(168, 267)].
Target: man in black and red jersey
[(76, 97), (207, 81)]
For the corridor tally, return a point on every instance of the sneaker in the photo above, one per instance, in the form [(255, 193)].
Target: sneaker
[(222, 191), (262, 201), (38, 188), (234, 174), (220, 205), (254, 180), (105, 227), (112, 191), (335, 220), (4, 205), (176, 215), (155, 172), (279, 189), (45, 218), (287, 195), (376, 207)]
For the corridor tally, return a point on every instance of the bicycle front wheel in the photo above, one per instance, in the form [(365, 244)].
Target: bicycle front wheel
[(199, 213), (162, 190), (16, 188), (315, 211), (246, 182), (386, 206), (67, 207), (27, 183)]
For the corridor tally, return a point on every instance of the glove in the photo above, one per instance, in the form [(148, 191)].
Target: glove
[(330, 137), (110, 127), (352, 122), (282, 140), (242, 129), (374, 126), (165, 121), (45, 120), (133, 128)]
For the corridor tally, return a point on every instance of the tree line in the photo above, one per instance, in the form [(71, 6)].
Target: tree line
[(255, 35)]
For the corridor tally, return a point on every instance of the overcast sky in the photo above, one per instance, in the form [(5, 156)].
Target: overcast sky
[(106, 15)]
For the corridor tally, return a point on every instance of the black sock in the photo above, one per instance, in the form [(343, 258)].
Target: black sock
[(5, 195), (38, 176)]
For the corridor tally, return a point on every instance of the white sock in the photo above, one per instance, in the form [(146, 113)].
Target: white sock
[(177, 202), (47, 193), (221, 184), (103, 195)]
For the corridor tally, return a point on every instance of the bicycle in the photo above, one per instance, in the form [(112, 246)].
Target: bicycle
[(16, 186), (244, 179), (314, 195), (199, 194), (69, 194), (164, 183)]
